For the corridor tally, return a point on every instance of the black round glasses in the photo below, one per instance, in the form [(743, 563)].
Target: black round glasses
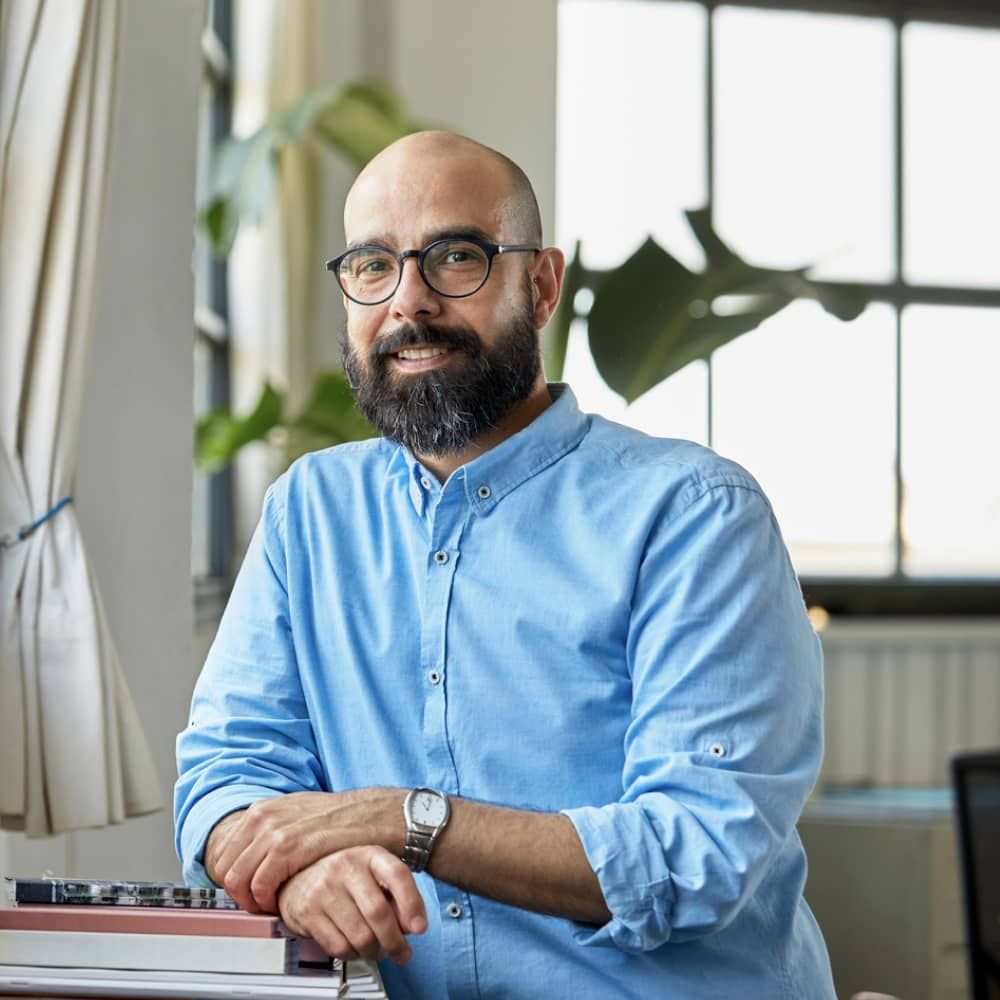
[(453, 267)]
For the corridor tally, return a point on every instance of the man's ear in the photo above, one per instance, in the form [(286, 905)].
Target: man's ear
[(547, 278)]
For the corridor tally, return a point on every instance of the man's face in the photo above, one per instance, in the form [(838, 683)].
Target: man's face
[(430, 371)]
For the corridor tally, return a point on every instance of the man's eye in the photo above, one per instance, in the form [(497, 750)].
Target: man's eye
[(458, 257), (373, 267)]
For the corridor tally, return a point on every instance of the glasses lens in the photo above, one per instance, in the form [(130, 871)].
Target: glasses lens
[(454, 267), (368, 274)]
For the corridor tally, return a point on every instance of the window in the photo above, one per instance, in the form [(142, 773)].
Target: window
[(868, 146), (211, 549)]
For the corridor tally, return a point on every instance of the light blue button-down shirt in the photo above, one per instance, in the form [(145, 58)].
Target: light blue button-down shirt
[(584, 619)]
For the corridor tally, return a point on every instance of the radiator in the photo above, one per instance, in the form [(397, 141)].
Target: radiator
[(902, 696)]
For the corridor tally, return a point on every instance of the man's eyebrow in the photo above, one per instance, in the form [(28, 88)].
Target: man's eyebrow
[(377, 240), (459, 232), (444, 233)]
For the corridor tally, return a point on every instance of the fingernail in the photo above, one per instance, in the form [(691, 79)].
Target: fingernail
[(418, 925)]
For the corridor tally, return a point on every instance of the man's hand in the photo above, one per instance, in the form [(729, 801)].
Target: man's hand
[(251, 853), (359, 901)]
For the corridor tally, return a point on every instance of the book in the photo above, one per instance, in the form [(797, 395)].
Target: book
[(150, 952), (32, 980), (156, 920), (141, 920), (63, 891)]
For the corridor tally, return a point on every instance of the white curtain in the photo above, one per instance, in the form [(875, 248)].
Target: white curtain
[(72, 753)]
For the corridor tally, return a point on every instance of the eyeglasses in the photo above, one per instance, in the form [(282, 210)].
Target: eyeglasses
[(455, 268)]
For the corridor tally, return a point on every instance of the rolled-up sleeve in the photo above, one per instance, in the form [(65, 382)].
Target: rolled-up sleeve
[(725, 737), (248, 736)]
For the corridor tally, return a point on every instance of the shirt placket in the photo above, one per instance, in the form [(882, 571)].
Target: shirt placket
[(447, 520)]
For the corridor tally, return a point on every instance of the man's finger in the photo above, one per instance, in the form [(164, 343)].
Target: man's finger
[(344, 914), (397, 880), (379, 914), (287, 853), (330, 938)]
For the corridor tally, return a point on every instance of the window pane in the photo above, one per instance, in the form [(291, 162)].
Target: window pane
[(631, 127), (677, 407), (804, 139), (806, 403), (951, 422), (951, 130)]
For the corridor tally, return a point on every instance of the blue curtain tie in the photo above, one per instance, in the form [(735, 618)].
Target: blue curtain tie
[(9, 541)]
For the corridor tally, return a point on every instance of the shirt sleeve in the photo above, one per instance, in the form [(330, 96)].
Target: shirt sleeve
[(248, 736), (725, 738)]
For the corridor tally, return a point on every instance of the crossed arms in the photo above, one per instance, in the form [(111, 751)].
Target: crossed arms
[(329, 864)]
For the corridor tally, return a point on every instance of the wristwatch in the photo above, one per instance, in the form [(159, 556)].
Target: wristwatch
[(426, 811)]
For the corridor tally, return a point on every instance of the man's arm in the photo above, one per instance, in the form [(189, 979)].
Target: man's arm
[(526, 859)]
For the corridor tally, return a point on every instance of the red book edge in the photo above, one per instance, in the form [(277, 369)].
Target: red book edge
[(142, 920)]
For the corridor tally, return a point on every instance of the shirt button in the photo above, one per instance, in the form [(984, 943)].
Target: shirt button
[(484, 492), (425, 482), (717, 750), (454, 911), (440, 557), (434, 676)]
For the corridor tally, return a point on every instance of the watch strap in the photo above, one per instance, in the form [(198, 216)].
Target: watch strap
[(417, 850)]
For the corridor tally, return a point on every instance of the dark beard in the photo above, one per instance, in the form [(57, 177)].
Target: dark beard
[(442, 411)]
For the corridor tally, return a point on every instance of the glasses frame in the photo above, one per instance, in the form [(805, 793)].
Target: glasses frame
[(490, 249)]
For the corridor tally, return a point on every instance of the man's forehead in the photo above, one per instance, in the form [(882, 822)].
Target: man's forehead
[(419, 198)]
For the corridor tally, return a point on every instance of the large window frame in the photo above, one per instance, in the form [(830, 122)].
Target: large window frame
[(896, 594)]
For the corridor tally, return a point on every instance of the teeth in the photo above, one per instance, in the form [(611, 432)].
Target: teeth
[(421, 353)]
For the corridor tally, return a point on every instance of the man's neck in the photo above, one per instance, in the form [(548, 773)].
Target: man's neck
[(442, 466)]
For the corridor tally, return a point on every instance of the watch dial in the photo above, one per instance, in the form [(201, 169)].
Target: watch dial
[(428, 809)]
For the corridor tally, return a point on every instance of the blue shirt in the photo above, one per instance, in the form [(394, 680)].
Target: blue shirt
[(584, 619)]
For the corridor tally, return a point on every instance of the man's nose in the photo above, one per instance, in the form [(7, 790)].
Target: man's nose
[(414, 299)]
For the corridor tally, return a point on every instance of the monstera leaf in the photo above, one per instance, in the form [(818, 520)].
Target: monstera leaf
[(357, 121), (651, 316)]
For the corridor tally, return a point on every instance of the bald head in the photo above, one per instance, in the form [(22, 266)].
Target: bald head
[(430, 168)]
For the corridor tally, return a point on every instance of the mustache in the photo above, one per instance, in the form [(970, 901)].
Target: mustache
[(412, 334)]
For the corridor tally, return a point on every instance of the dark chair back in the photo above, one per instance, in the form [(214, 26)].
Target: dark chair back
[(976, 780)]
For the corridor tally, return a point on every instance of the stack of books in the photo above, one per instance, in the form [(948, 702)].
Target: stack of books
[(93, 938)]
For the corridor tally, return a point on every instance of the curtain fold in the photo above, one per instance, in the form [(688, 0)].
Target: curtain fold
[(72, 751)]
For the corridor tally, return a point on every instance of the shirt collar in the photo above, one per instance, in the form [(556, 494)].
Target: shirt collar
[(487, 479)]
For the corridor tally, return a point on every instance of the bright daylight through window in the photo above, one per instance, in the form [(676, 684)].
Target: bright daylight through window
[(875, 439)]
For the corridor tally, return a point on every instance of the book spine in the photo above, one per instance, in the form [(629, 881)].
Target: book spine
[(149, 952)]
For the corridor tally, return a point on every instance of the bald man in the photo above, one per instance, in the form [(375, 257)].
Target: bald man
[(518, 700)]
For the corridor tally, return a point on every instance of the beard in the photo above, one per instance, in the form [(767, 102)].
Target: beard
[(444, 410)]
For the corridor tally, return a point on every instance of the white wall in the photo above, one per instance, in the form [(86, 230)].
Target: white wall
[(134, 482)]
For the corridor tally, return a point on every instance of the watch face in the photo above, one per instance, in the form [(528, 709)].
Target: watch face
[(429, 809)]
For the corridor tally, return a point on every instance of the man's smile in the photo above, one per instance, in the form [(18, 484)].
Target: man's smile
[(421, 358)]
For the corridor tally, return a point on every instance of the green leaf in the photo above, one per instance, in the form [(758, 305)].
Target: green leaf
[(219, 435), (631, 325), (716, 252), (360, 124), (846, 302), (332, 414), (356, 121), (557, 331)]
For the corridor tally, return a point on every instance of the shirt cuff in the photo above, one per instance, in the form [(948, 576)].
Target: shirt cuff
[(640, 909), (202, 819)]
